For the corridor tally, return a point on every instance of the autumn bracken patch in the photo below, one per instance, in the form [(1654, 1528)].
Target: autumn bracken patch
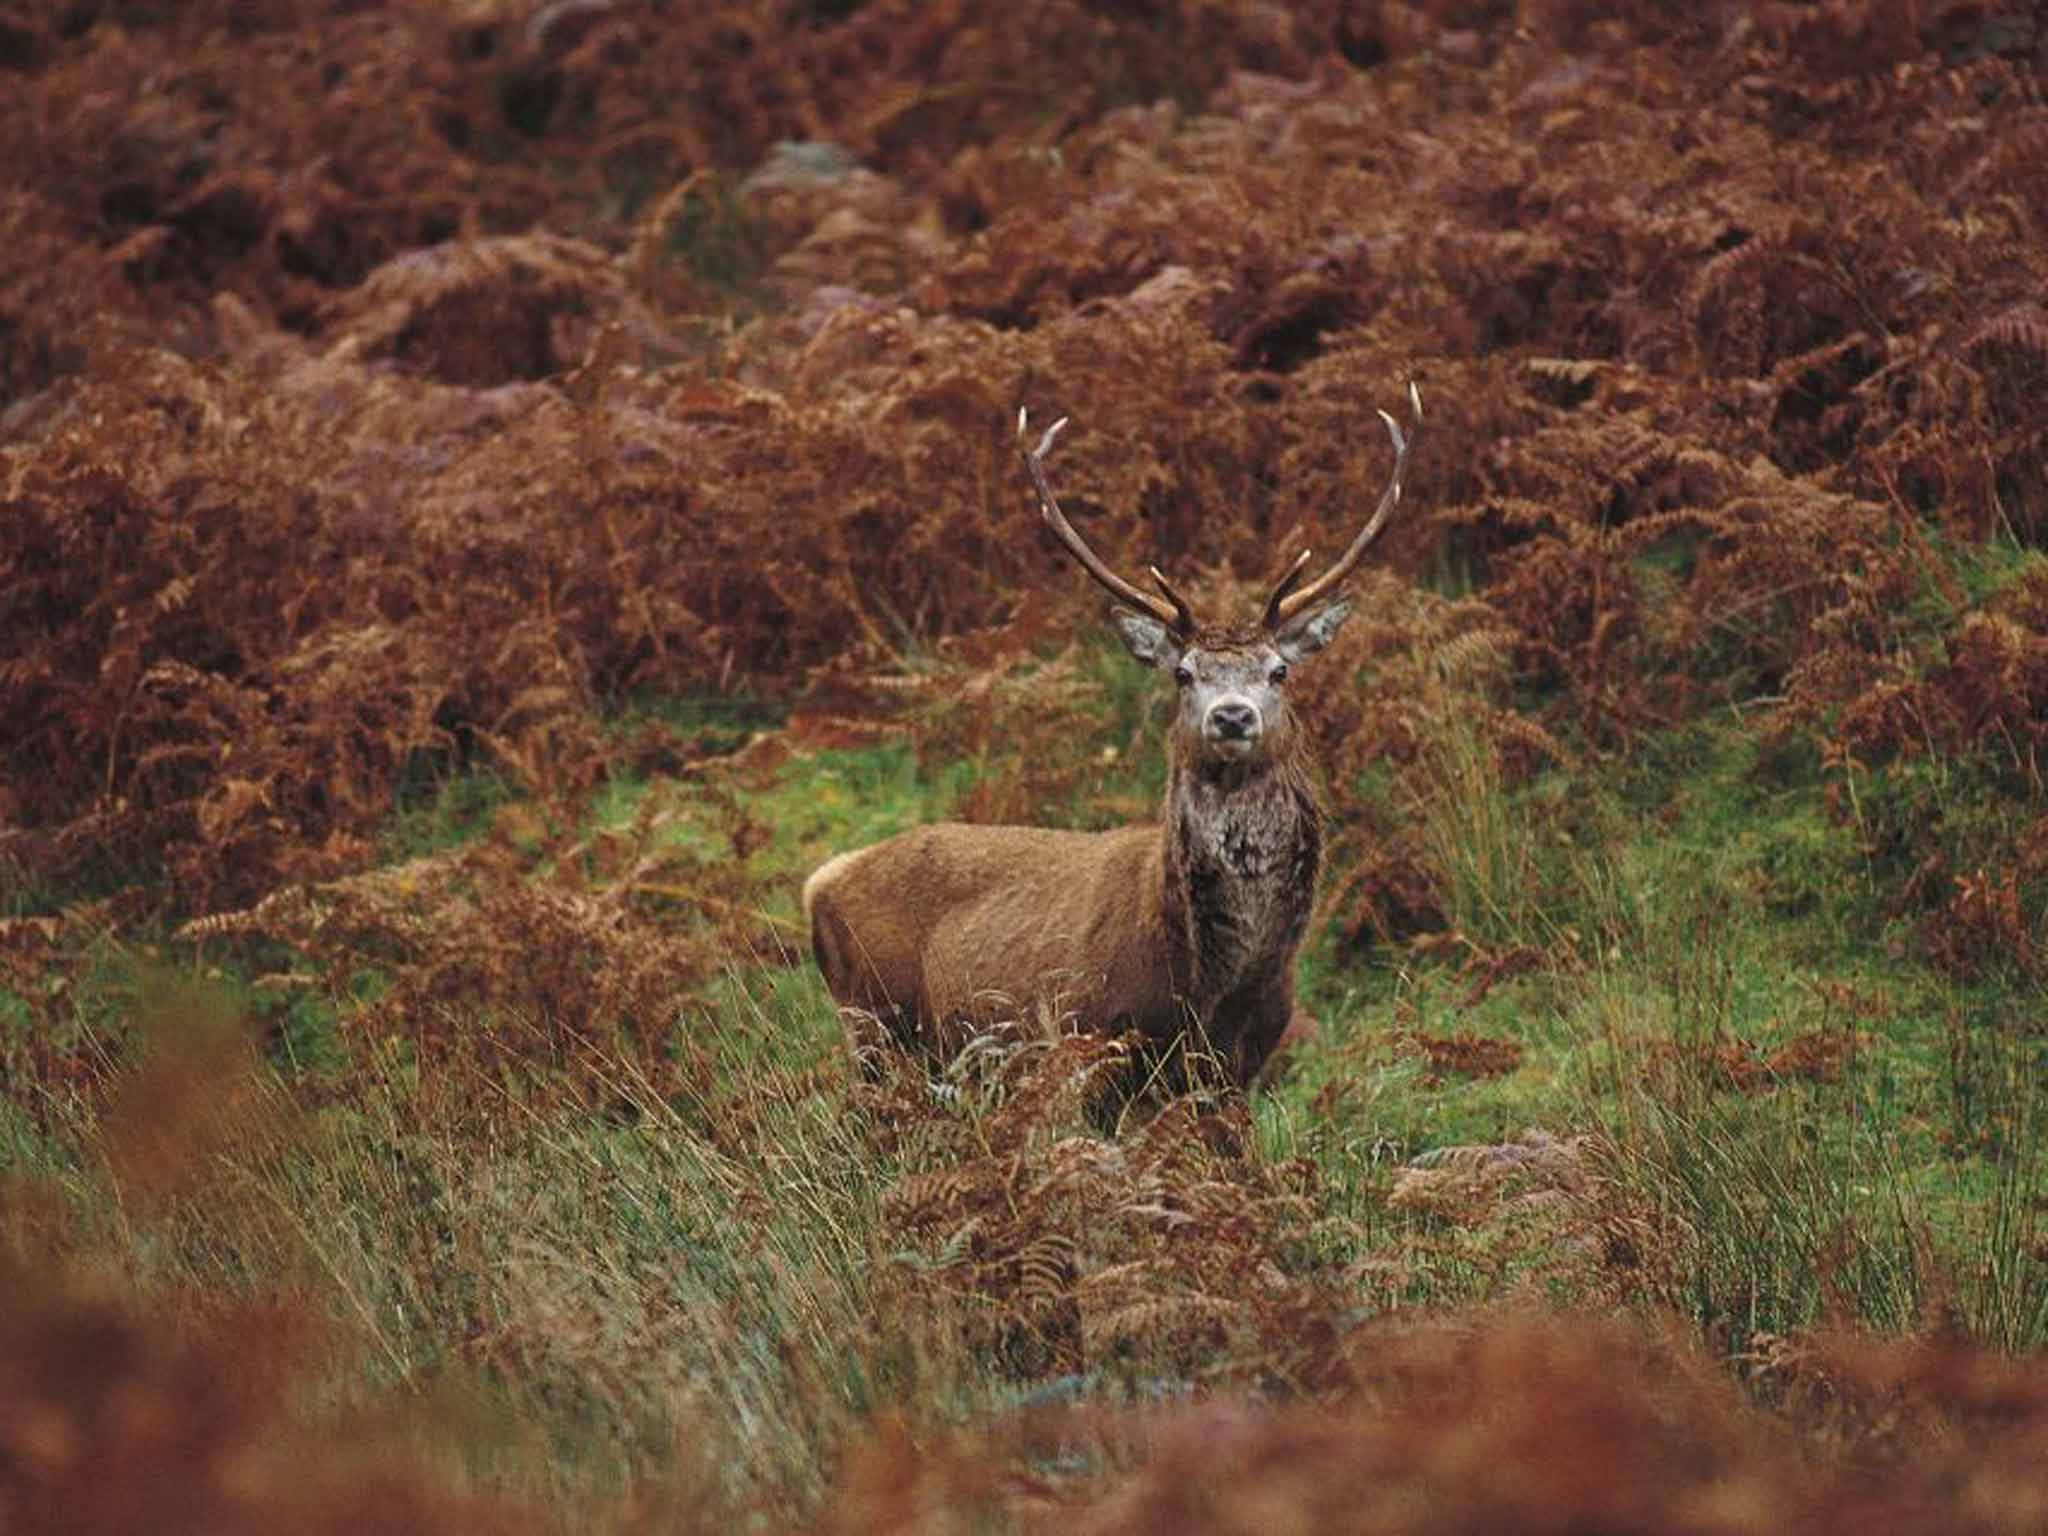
[(491, 494)]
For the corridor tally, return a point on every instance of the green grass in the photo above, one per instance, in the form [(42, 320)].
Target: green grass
[(599, 1267)]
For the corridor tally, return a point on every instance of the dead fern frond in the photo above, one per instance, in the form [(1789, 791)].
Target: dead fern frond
[(932, 1195), (1163, 1317), (1470, 1185), (1474, 659), (2021, 328)]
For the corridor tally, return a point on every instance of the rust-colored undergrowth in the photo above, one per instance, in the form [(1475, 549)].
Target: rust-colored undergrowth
[(392, 388), (379, 388)]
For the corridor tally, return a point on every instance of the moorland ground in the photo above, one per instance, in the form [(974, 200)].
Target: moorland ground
[(492, 492)]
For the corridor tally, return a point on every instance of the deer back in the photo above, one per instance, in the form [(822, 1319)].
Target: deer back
[(956, 924)]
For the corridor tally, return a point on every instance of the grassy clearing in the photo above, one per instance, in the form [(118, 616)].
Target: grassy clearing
[(1669, 1056), (1691, 951)]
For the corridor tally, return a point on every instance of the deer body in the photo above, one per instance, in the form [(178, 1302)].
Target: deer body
[(1182, 929), (1187, 925), (1016, 911)]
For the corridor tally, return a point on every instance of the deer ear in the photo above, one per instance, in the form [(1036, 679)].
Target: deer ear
[(1308, 632), (1146, 638)]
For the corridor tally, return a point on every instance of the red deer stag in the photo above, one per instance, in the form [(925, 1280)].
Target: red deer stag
[(1182, 929)]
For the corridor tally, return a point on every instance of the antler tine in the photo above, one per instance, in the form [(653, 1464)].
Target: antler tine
[(1173, 611), (1286, 602), (1284, 586), (1184, 621)]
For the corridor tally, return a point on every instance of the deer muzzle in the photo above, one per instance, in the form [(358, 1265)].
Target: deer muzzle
[(1232, 727)]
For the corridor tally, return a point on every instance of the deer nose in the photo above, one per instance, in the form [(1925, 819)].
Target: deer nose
[(1233, 721)]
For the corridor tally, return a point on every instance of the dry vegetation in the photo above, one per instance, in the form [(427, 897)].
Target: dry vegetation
[(412, 1118)]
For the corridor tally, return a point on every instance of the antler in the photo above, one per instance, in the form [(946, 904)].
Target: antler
[(1285, 602), (1173, 612)]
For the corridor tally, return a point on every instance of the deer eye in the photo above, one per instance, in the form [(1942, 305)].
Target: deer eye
[(1278, 674), (1183, 676)]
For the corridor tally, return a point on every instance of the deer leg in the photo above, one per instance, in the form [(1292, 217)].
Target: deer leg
[(1301, 1029), (1251, 1023)]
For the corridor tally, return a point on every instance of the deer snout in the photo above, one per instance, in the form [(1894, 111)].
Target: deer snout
[(1233, 725)]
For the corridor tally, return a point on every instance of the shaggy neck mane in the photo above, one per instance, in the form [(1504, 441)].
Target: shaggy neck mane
[(1243, 848)]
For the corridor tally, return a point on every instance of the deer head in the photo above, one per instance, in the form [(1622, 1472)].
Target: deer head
[(1231, 677)]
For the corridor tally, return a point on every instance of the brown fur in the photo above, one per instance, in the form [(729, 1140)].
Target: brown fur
[(1186, 927), (1184, 931)]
